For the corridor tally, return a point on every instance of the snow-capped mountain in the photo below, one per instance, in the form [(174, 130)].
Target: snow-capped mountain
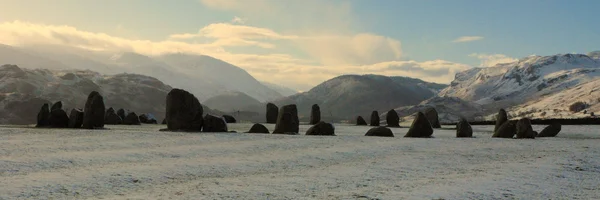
[(532, 85)]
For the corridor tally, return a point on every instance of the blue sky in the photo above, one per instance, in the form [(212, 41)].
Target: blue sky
[(295, 39)]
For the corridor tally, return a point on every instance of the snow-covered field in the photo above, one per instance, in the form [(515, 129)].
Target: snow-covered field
[(139, 162)]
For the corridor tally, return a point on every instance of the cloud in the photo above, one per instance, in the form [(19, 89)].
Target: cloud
[(467, 39), (238, 20), (490, 60)]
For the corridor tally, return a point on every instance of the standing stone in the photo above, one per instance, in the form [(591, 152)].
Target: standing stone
[(75, 118), (433, 118), (184, 111), (380, 132), (524, 129), (506, 130), (420, 127), (144, 119), (392, 119), (214, 124), (229, 119), (287, 120), (164, 121), (550, 131), (58, 118), (43, 116), (272, 113), (132, 119), (360, 121), (121, 113), (57, 105), (258, 128), (500, 119), (94, 111), (321, 128), (463, 129), (374, 118), (315, 114), (110, 117)]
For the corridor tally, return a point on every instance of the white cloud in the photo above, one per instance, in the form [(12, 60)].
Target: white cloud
[(467, 39), (238, 20), (490, 60)]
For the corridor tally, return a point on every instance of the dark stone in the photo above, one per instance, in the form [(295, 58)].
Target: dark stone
[(258, 128), (229, 119), (506, 130), (464, 129), (144, 119), (43, 116), (110, 117), (321, 128), (287, 120), (392, 119), (184, 111), (57, 105), (272, 113), (58, 118), (524, 129), (500, 119), (132, 119), (550, 131), (374, 118), (164, 121), (380, 132), (93, 113), (360, 121), (315, 114), (75, 118), (432, 117), (214, 124), (121, 113), (420, 127)]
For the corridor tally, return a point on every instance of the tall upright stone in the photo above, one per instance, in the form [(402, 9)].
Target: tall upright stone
[(183, 111), (392, 119), (43, 116), (420, 128), (374, 118), (75, 118), (287, 120), (94, 111), (272, 113), (463, 129), (59, 118), (433, 118), (501, 118), (360, 121), (315, 114)]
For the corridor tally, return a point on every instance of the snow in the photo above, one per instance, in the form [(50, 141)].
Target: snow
[(139, 162)]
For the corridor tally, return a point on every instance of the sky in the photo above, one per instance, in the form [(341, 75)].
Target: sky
[(300, 43)]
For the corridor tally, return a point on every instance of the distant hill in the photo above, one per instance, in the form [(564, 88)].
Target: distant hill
[(285, 91), (231, 102)]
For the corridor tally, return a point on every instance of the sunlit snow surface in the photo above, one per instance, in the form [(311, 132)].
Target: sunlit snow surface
[(139, 162)]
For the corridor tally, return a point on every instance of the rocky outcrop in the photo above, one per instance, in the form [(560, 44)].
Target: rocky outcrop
[(501, 118), (258, 128), (380, 132), (524, 129), (321, 128), (507, 130), (214, 124), (464, 129), (229, 119), (360, 121), (374, 118), (75, 118), (43, 116), (420, 128), (94, 111), (433, 118), (550, 131), (183, 111), (272, 113), (392, 119), (315, 114), (287, 120)]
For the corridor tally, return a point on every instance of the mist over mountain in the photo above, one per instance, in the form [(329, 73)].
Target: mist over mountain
[(285, 91)]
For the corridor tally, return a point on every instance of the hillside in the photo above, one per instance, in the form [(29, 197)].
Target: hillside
[(231, 102)]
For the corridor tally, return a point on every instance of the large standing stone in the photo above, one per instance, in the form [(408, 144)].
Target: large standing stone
[(75, 118), (258, 128), (229, 119), (43, 116), (184, 111), (214, 124), (121, 113), (58, 118), (380, 132), (464, 129), (524, 129), (360, 121), (315, 114), (57, 105), (420, 127), (287, 120), (272, 113), (501, 117), (392, 119), (110, 117), (506, 130), (132, 119), (433, 118), (374, 118), (93, 113), (550, 131), (321, 128)]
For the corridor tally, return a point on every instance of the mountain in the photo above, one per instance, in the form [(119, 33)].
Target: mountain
[(285, 91), (345, 97), (231, 102), (450, 109), (594, 55), (530, 86)]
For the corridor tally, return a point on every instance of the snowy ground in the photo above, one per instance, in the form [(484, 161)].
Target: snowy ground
[(139, 162)]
